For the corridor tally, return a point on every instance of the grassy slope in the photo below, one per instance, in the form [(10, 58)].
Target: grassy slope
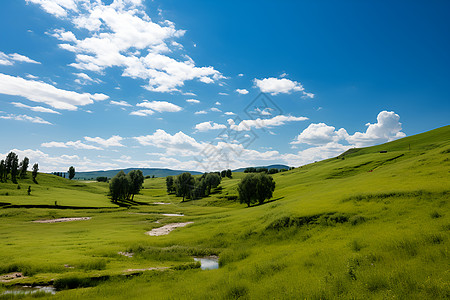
[(371, 225)]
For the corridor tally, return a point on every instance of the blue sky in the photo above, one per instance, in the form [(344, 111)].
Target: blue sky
[(177, 84)]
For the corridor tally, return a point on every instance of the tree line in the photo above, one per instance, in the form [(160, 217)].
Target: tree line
[(11, 166), (189, 187), (263, 170)]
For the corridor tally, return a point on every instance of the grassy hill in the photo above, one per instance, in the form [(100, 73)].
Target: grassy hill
[(364, 225)]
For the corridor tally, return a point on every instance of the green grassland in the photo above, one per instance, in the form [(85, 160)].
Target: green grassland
[(363, 225)]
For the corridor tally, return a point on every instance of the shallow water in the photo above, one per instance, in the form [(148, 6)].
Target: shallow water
[(208, 263), (26, 290)]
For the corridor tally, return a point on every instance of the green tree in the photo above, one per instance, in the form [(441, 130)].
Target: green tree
[(136, 179), (35, 172), (2, 171), (223, 173), (256, 188), (229, 173), (71, 172), (273, 171), (170, 184), (184, 183), (24, 167), (14, 169), (119, 186)]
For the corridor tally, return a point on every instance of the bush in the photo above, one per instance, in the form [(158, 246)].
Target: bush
[(102, 179)]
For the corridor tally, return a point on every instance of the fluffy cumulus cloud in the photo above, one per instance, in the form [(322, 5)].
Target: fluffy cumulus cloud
[(121, 34), (159, 106), (328, 142), (320, 134), (276, 86), (176, 144), (205, 126), (387, 128), (37, 120), (201, 112), (279, 120), (41, 92), (114, 141), (242, 91), (84, 79), (10, 59)]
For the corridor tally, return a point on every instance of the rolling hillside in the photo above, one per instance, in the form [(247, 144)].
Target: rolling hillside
[(372, 223)]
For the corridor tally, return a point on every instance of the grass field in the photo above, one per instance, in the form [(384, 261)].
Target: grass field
[(364, 225)]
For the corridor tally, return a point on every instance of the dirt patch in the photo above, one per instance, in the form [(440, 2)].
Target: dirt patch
[(62, 220), (166, 229), (11, 276), (147, 269), (127, 254)]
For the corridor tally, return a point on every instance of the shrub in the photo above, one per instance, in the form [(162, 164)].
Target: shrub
[(355, 220)]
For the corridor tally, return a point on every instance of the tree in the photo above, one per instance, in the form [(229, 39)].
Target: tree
[(119, 186), (273, 171), (14, 169), (136, 179), (170, 184), (256, 188), (183, 184), (35, 172), (2, 171), (9, 160), (229, 173), (102, 179), (24, 167), (71, 172), (223, 173)]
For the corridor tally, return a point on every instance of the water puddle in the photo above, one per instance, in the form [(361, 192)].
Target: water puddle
[(173, 215), (27, 290), (208, 263)]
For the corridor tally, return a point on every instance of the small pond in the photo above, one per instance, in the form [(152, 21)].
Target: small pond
[(26, 290), (208, 263)]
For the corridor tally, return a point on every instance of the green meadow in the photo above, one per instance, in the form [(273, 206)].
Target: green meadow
[(363, 225)]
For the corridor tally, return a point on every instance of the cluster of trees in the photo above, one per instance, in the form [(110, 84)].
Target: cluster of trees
[(60, 174), (102, 179), (11, 166), (225, 173), (256, 188), (124, 187), (263, 170), (70, 172), (187, 186)]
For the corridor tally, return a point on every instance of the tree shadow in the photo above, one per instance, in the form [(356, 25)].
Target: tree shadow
[(266, 202)]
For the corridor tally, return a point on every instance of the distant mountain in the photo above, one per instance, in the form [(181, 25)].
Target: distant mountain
[(146, 171), (268, 167)]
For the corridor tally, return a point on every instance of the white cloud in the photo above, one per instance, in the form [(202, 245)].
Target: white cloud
[(79, 145), (193, 101), (26, 118), (120, 103), (37, 91), (114, 141), (320, 134), (215, 109), (217, 103), (276, 86), (223, 94), (160, 106), (387, 128), (229, 113), (240, 75), (142, 112), (177, 144), (35, 108), (242, 91), (315, 154), (205, 126), (9, 59), (279, 120), (84, 79), (200, 112), (49, 163), (122, 35)]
